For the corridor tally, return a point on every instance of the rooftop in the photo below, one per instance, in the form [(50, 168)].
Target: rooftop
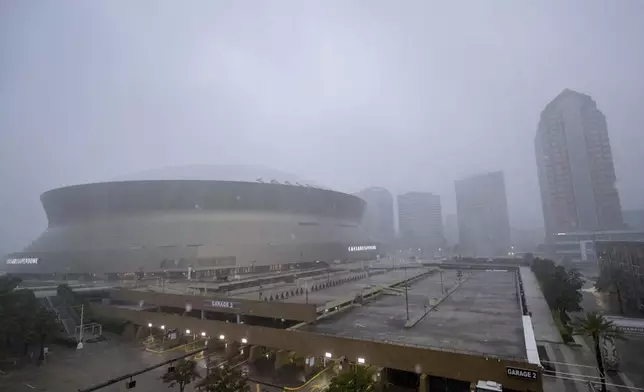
[(481, 316)]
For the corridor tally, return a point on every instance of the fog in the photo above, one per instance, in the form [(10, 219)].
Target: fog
[(349, 94)]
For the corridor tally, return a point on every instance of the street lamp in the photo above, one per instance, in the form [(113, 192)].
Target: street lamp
[(361, 360), (150, 326), (222, 337), (244, 341), (203, 334), (326, 356), (187, 332)]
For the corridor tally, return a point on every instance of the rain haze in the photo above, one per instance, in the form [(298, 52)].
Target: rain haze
[(347, 94)]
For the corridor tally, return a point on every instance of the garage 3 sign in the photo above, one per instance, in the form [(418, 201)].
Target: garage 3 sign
[(521, 373)]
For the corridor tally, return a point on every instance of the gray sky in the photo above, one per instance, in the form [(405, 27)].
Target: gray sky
[(402, 94)]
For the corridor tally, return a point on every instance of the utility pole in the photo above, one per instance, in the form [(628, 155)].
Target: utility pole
[(80, 337), (406, 302)]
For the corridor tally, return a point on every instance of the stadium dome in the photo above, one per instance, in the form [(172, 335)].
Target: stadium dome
[(208, 218), (248, 173)]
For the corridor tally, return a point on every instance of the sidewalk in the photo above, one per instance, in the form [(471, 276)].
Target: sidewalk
[(545, 328)]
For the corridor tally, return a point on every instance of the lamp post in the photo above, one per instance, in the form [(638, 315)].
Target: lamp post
[(406, 302), (150, 326), (80, 337)]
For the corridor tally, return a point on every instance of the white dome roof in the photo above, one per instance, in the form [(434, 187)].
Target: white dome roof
[(248, 173)]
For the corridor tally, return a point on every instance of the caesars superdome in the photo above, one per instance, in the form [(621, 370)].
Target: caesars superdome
[(176, 218)]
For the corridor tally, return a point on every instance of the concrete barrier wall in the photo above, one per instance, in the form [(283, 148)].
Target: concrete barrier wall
[(288, 311)]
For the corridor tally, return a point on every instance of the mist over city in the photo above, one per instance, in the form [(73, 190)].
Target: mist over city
[(408, 96), (403, 178)]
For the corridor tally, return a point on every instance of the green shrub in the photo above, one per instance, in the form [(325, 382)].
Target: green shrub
[(564, 331)]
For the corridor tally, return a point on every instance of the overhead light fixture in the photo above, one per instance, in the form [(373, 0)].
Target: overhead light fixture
[(203, 334), (187, 332), (222, 337), (163, 327), (150, 325), (361, 360), (244, 340), (328, 355)]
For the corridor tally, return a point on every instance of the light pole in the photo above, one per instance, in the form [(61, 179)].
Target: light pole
[(80, 336), (442, 288), (150, 326), (163, 331), (406, 302)]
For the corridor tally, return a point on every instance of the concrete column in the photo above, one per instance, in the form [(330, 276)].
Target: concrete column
[(424, 383), (232, 349), (238, 319), (203, 314), (281, 358), (254, 353)]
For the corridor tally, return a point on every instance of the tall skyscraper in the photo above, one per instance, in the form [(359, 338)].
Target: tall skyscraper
[(378, 218), (634, 219), (451, 229), (420, 221), (483, 222), (575, 167)]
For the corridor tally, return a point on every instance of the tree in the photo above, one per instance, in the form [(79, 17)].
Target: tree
[(185, 372), (357, 380), (613, 277), (8, 285), (597, 327), (561, 287), (23, 319), (43, 326), (224, 379)]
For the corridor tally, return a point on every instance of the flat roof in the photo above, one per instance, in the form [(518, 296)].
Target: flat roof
[(482, 316), (326, 295)]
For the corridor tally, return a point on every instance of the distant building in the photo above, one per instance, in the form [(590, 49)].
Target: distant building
[(575, 168), (634, 219), (580, 245), (483, 222), (378, 219), (451, 229), (526, 240), (420, 222)]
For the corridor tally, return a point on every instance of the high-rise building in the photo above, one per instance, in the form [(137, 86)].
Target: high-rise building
[(420, 221), (634, 219), (451, 229), (575, 167), (483, 222), (378, 218)]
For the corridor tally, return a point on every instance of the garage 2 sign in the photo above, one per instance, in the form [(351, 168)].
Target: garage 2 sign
[(521, 373)]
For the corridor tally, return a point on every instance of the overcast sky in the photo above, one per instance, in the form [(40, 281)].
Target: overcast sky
[(402, 94)]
